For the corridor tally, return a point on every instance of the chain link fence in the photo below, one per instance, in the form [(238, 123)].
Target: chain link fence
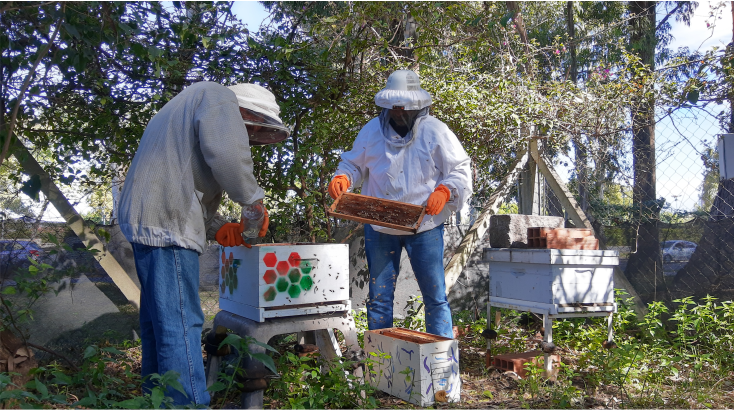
[(696, 250)]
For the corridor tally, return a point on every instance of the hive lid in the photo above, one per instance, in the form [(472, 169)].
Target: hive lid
[(552, 256)]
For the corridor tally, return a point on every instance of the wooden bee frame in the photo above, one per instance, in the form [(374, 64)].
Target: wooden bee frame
[(377, 211)]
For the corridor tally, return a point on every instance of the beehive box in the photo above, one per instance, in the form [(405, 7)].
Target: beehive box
[(277, 280), (414, 366), (552, 280), (378, 211)]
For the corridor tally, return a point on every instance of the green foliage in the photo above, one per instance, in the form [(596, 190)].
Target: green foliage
[(306, 382), (92, 386), (415, 315), (710, 185), (233, 372), (652, 351), (361, 324)]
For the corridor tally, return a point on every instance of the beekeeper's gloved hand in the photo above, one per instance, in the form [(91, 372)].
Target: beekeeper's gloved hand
[(338, 185), (230, 234), (437, 200)]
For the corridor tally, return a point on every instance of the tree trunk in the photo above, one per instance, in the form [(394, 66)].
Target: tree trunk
[(644, 269), (571, 27), (578, 144)]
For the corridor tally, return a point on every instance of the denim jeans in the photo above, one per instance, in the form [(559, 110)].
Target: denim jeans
[(425, 251), (171, 318)]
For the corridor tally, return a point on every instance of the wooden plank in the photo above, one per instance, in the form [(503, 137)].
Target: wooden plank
[(559, 187), (118, 275), (481, 225)]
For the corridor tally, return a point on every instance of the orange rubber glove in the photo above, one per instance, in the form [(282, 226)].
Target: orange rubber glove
[(266, 223), (338, 186), (230, 234), (437, 200)]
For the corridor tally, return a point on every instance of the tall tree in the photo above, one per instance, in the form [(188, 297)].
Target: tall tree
[(644, 269)]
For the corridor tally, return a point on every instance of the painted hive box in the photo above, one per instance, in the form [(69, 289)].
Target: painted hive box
[(417, 367), (275, 280)]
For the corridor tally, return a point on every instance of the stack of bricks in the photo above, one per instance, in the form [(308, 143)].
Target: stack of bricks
[(562, 238), (516, 362)]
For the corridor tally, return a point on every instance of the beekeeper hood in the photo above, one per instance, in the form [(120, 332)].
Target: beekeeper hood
[(260, 114), (404, 90), (404, 104)]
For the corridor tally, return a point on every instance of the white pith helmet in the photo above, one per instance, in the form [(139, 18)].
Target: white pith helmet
[(403, 89), (270, 128)]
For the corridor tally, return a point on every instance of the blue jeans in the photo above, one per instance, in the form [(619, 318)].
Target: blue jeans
[(425, 251), (171, 319)]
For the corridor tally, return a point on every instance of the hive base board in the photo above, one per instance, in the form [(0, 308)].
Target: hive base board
[(260, 314), (552, 309)]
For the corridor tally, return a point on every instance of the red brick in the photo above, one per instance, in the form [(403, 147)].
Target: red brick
[(515, 362)]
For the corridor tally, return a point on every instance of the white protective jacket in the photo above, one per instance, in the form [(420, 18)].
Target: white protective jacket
[(193, 148), (409, 169)]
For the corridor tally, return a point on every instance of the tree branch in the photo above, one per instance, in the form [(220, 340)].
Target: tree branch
[(667, 16), (23, 89), (71, 364)]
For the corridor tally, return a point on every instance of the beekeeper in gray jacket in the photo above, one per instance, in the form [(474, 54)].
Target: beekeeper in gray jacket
[(197, 146)]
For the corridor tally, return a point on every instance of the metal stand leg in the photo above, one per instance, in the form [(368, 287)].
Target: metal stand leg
[(252, 400), (610, 328), (548, 337), (212, 369)]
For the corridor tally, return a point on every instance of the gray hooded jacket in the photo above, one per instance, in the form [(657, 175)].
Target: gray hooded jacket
[(191, 150)]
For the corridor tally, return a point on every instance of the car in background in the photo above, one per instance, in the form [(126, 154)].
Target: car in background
[(15, 254), (677, 250)]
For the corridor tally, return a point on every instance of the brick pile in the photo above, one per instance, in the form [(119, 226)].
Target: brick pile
[(562, 238), (515, 362)]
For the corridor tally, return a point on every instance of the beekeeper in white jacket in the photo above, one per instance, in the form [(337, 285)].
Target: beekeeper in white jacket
[(195, 147), (407, 155)]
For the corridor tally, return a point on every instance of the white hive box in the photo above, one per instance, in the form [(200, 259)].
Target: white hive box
[(554, 281), (278, 280), (415, 365)]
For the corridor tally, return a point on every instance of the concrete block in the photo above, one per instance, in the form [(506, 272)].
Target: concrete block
[(511, 231)]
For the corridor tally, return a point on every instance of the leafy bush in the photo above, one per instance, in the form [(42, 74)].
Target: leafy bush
[(313, 382)]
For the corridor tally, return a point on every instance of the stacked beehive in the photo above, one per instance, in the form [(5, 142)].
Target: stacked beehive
[(562, 238)]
